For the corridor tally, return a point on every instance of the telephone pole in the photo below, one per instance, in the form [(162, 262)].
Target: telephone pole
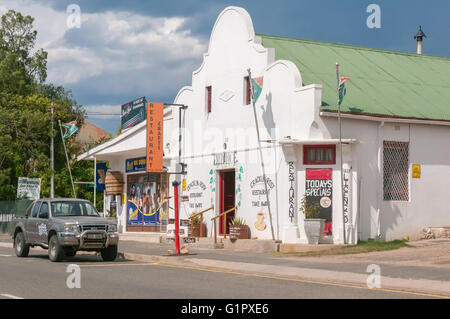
[(52, 166)]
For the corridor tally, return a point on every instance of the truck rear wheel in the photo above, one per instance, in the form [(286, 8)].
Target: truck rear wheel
[(109, 253), (20, 245), (55, 251)]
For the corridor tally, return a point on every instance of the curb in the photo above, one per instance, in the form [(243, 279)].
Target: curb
[(420, 287)]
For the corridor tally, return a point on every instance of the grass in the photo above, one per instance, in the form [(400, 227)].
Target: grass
[(361, 247)]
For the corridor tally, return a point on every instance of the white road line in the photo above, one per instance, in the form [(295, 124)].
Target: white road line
[(5, 255), (10, 296)]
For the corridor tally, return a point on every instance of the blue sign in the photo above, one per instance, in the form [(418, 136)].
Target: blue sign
[(135, 164), (101, 175)]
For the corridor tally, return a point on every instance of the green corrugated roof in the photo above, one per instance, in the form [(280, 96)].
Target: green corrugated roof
[(387, 83)]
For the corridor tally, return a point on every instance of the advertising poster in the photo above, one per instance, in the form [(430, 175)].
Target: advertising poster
[(319, 188), (147, 202), (133, 113)]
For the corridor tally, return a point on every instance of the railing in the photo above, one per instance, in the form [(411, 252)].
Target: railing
[(201, 218), (223, 224)]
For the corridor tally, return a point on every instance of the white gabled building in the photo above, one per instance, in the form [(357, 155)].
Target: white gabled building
[(396, 114)]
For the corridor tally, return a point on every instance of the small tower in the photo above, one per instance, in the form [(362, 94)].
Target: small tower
[(419, 36)]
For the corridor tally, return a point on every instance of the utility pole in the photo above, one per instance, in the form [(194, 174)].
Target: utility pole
[(52, 166)]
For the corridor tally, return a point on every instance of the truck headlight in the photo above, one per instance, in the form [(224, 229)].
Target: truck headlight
[(71, 228), (112, 228)]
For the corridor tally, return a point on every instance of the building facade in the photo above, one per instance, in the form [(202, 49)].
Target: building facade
[(395, 122)]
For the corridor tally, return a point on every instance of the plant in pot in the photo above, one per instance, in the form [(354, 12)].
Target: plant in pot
[(313, 224), (238, 228), (196, 223)]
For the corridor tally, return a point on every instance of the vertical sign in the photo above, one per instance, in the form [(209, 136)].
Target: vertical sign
[(319, 188), (101, 174), (155, 116)]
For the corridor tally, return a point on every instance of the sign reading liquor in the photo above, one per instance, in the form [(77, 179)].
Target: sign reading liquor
[(133, 113), (319, 188), (155, 115)]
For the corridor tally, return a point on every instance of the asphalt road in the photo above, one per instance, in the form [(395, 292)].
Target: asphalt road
[(37, 277)]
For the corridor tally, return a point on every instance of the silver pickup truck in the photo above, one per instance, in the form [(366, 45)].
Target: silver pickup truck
[(64, 226)]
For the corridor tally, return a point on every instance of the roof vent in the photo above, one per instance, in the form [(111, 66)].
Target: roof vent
[(419, 36)]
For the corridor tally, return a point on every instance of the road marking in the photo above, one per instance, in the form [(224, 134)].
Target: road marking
[(274, 277), (5, 255), (310, 281), (116, 265), (10, 296)]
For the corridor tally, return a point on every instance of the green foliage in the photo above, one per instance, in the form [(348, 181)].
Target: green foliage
[(25, 117), (311, 210), (238, 221)]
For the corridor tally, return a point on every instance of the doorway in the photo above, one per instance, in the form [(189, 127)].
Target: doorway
[(226, 200)]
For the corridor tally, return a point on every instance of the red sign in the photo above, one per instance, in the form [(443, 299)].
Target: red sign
[(155, 115), (319, 173)]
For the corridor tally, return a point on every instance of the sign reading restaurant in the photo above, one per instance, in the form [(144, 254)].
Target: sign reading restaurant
[(155, 116)]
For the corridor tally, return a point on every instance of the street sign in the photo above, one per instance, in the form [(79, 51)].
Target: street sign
[(133, 113), (29, 188)]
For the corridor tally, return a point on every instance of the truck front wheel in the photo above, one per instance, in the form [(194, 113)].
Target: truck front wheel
[(20, 245), (109, 253), (55, 251)]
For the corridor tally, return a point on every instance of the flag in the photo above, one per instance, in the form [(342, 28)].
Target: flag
[(257, 89), (342, 90), (71, 129)]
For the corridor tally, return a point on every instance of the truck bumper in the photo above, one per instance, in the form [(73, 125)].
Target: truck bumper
[(89, 239)]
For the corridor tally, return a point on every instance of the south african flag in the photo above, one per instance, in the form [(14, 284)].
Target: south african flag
[(342, 89), (71, 129)]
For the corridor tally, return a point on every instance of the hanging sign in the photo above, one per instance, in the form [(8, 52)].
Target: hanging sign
[(155, 115), (319, 188), (133, 113), (101, 174)]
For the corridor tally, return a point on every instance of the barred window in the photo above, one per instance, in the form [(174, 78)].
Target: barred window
[(395, 170)]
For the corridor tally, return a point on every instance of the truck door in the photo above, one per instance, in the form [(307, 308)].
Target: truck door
[(31, 227), (42, 222)]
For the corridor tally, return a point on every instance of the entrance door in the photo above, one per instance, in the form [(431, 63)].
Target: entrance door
[(227, 200)]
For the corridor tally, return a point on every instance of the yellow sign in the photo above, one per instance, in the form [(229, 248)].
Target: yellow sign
[(184, 184), (416, 170)]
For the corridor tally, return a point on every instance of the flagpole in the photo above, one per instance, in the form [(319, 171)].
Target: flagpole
[(67, 158), (340, 151), (261, 155)]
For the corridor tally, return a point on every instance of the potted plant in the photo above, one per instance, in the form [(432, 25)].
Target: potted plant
[(238, 228), (313, 224), (196, 223)]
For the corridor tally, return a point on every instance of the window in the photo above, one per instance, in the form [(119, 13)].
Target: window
[(73, 208), (35, 209), (43, 212), (395, 171), (319, 154), (247, 91), (208, 99)]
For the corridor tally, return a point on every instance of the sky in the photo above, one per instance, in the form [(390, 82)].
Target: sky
[(123, 50)]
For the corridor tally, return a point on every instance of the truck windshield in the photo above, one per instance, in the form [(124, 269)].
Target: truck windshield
[(73, 208)]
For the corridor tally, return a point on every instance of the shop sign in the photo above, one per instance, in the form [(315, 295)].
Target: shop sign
[(100, 176), (258, 189), (416, 170), (196, 190), (133, 113), (29, 188), (225, 158), (319, 189), (155, 116), (135, 165)]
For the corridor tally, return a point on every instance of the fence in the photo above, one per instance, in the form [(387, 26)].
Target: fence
[(9, 209)]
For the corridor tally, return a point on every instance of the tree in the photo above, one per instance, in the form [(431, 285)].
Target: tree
[(25, 119)]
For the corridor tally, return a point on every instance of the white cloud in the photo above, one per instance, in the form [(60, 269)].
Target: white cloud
[(113, 46)]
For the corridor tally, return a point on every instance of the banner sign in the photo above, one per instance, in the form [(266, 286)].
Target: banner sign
[(29, 188), (135, 165), (319, 188), (101, 174), (155, 115), (133, 113)]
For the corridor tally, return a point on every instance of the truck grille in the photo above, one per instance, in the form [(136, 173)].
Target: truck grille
[(93, 227)]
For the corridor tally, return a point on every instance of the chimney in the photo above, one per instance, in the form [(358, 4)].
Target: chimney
[(419, 36)]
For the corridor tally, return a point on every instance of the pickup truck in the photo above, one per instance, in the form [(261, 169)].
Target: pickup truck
[(64, 226)]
